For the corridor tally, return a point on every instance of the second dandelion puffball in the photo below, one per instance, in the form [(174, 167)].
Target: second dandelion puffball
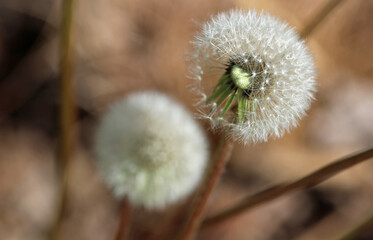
[(150, 150), (267, 75)]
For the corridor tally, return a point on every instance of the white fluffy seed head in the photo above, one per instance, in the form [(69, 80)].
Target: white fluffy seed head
[(277, 67), (150, 150)]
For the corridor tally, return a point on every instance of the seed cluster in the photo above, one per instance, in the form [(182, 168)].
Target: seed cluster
[(150, 150), (256, 78)]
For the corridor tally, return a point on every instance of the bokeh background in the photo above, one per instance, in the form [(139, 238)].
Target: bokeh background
[(123, 46)]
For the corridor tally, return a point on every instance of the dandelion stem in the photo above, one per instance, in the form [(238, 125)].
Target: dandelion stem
[(360, 229), (277, 191), (67, 113), (217, 166), (321, 15), (168, 228), (124, 222)]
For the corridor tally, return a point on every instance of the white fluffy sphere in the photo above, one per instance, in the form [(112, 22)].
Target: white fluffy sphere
[(268, 75), (150, 150)]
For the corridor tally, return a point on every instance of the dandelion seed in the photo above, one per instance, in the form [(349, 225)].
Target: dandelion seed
[(264, 63)]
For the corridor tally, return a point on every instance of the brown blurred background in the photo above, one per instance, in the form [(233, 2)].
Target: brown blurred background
[(125, 45)]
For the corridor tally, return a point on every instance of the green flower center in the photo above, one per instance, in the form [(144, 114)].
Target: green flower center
[(242, 85), (240, 77)]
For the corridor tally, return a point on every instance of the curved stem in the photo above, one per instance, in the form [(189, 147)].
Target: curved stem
[(220, 159), (279, 190)]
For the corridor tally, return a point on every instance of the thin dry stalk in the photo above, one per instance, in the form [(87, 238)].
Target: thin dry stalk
[(277, 191), (66, 114)]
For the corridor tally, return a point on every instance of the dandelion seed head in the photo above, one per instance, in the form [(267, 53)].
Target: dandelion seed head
[(267, 74), (150, 150)]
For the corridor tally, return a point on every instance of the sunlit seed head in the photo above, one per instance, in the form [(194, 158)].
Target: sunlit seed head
[(267, 74)]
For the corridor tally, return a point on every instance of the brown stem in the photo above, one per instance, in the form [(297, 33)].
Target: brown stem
[(66, 114), (167, 228), (321, 15), (220, 159), (277, 191), (124, 222), (360, 229)]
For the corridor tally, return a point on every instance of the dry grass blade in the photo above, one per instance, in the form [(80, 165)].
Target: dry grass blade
[(277, 191), (66, 114)]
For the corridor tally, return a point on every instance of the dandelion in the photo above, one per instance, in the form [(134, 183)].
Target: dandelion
[(150, 150), (266, 75)]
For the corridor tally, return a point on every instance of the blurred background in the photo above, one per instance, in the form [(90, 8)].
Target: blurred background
[(123, 46)]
